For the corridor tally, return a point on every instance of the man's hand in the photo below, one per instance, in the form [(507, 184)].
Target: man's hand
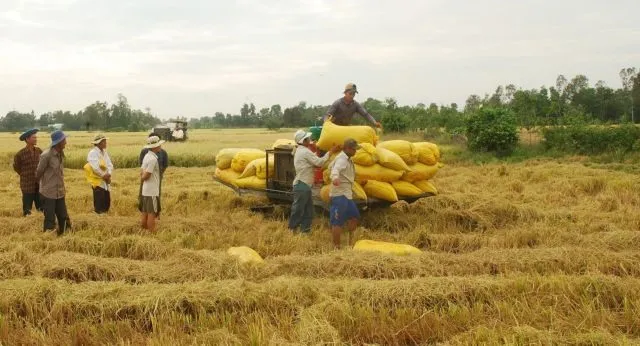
[(336, 182), (378, 125), (107, 178), (335, 149)]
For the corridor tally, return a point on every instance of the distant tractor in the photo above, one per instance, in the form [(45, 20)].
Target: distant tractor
[(173, 130)]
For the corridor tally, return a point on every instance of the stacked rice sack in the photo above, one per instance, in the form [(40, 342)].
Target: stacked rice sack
[(389, 170), (246, 167)]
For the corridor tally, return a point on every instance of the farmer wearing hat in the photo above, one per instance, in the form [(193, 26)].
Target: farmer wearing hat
[(342, 110), (163, 160), (99, 169), (150, 179), (305, 161), (343, 210), (25, 163), (50, 173)]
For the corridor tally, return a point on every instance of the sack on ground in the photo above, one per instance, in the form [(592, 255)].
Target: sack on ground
[(428, 153), (333, 134), (405, 149), (242, 158), (245, 254), (426, 186), (391, 160), (385, 247), (376, 172), (406, 189), (229, 176), (420, 171), (366, 155), (380, 190), (253, 183)]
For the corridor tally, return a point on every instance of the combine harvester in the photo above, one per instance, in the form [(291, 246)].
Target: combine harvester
[(385, 173)]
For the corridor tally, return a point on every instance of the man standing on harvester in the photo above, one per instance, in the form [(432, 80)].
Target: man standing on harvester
[(342, 110)]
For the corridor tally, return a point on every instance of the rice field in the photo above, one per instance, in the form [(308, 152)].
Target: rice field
[(539, 252)]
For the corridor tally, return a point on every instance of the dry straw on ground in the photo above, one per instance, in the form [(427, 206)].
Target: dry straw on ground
[(539, 252)]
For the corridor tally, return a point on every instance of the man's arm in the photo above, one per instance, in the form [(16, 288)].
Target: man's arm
[(147, 169), (42, 165), (363, 112), (339, 165), (331, 112), (109, 163), (16, 163), (165, 161)]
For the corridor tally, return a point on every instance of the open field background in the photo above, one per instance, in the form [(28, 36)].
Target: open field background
[(538, 252)]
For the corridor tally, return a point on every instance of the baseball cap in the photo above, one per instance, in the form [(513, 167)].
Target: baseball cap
[(351, 87)]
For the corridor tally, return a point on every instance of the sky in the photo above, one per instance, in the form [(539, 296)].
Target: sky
[(196, 57)]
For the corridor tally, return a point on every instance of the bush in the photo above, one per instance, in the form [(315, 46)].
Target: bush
[(492, 130), (592, 139), (395, 121), (273, 123)]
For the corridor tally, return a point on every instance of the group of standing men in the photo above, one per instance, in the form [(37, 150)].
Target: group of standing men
[(42, 178)]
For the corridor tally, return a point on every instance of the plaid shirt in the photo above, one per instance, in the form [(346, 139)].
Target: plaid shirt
[(25, 163)]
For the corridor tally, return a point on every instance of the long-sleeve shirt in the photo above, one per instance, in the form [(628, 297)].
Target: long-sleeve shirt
[(342, 113), (25, 163), (50, 173), (94, 157), (305, 161), (343, 168), (163, 159)]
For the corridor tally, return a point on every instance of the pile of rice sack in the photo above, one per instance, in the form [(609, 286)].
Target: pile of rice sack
[(388, 170)]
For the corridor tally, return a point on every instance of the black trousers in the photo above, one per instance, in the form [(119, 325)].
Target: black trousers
[(101, 200), (28, 201), (55, 209)]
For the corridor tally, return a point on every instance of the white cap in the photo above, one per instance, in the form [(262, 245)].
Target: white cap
[(301, 135)]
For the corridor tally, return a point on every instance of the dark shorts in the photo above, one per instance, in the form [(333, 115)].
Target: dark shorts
[(342, 210), (149, 204)]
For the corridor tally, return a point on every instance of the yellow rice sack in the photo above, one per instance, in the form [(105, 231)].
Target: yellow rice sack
[(432, 146), (245, 254), (406, 189), (283, 143), (250, 170), (358, 192), (332, 156), (225, 156), (229, 176), (242, 158), (253, 183), (426, 186), (385, 247), (420, 171), (380, 190), (366, 155), (333, 134), (427, 153), (376, 172), (261, 168), (391, 160), (324, 193), (405, 149)]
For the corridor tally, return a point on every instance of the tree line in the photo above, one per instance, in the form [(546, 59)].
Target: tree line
[(565, 101)]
